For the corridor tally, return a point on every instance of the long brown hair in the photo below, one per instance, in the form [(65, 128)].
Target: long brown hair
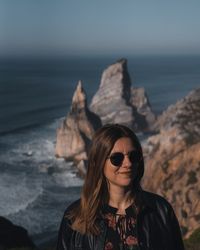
[(95, 191)]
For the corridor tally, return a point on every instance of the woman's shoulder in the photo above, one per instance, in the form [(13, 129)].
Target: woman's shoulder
[(67, 218), (153, 196), (72, 206), (155, 201)]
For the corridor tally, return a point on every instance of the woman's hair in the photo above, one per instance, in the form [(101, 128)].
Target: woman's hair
[(95, 190)]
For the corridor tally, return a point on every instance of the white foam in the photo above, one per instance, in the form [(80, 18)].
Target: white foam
[(68, 179), (17, 192), (37, 145), (30, 168)]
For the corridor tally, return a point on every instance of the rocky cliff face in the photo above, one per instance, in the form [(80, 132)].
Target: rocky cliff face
[(77, 129), (140, 102), (173, 160), (115, 102)]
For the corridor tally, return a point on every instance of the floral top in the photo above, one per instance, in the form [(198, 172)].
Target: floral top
[(121, 233)]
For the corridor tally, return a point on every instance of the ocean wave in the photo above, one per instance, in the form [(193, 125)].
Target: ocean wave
[(26, 120), (17, 192), (68, 179), (35, 186), (20, 129), (42, 109), (45, 213), (35, 145)]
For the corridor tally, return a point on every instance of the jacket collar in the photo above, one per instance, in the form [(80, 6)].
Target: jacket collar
[(144, 200)]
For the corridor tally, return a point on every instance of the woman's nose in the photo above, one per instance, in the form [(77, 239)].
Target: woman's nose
[(126, 162)]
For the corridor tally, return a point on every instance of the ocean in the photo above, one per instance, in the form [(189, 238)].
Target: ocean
[(35, 95)]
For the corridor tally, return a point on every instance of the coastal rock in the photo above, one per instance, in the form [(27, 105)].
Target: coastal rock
[(114, 101), (172, 159), (81, 165), (12, 236), (77, 129), (140, 101), (111, 102)]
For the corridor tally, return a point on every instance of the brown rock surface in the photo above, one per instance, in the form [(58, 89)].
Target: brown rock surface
[(77, 128), (115, 102), (140, 101), (173, 160)]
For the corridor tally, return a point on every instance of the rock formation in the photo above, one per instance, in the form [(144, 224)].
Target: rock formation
[(140, 101), (114, 101), (111, 100), (173, 160), (77, 129), (13, 236)]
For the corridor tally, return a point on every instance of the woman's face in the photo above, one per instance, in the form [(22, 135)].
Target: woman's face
[(120, 175)]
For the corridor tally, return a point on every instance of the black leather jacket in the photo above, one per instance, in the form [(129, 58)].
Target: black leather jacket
[(157, 228)]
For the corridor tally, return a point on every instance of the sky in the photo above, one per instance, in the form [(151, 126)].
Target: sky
[(98, 27)]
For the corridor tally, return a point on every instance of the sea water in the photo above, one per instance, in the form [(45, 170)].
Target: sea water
[(35, 95)]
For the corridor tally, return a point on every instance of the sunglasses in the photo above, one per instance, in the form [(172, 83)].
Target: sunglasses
[(117, 158)]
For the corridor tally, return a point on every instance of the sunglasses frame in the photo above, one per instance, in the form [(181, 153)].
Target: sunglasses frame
[(118, 162)]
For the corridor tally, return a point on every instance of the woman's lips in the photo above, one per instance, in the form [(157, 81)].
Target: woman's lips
[(128, 172)]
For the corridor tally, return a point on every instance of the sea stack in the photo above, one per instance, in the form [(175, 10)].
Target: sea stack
[(111, 101), (116, 102), (77, 129), (173, 159)]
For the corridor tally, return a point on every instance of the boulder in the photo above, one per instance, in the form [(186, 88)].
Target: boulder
[(172, 159), (77, 129), (13, 236), (116, 102)]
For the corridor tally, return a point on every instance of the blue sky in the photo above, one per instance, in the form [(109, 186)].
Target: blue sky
[(90, 27)]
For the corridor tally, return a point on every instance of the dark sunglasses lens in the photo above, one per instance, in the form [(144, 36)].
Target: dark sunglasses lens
[(117, 159)]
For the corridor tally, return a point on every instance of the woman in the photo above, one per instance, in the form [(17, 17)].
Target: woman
[(113, 211)]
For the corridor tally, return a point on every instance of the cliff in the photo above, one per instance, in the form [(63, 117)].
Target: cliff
[(173, 159)]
